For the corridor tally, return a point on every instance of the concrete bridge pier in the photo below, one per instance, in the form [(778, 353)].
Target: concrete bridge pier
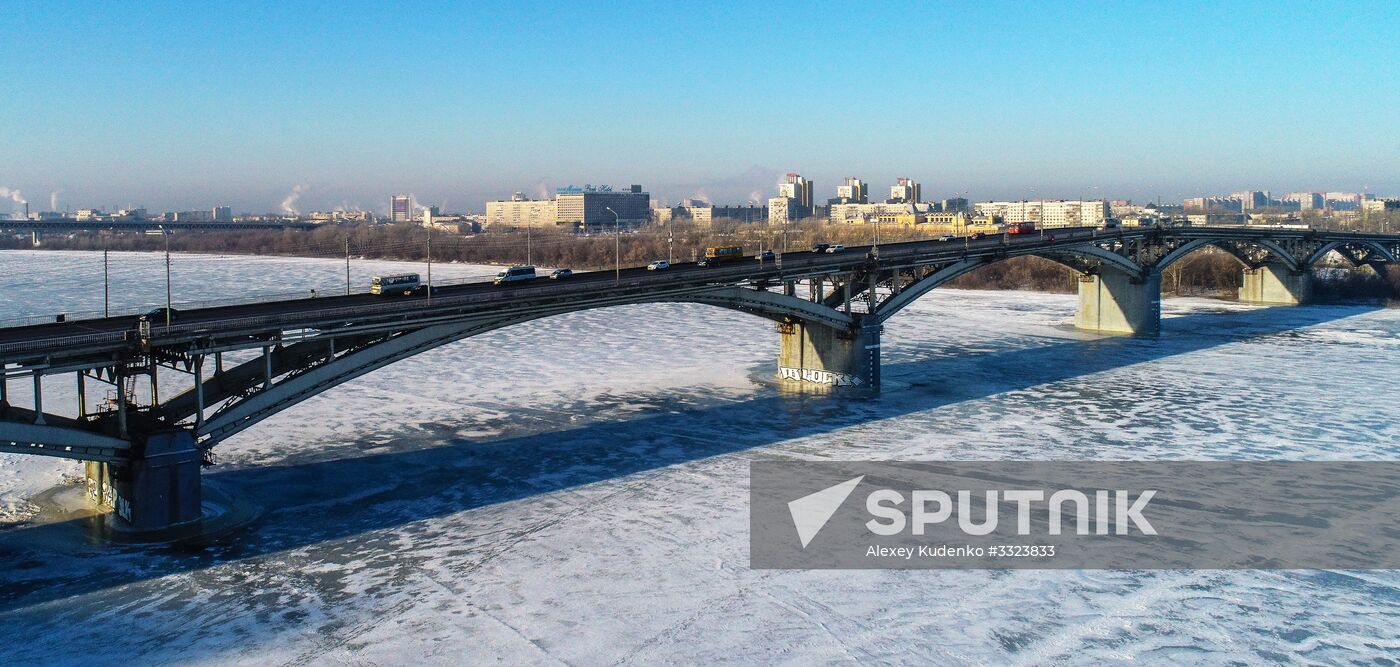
[(816, 354), (1276, 283), (158, 489), (1116, 302)]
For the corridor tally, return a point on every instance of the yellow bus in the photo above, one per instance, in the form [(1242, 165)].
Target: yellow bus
[(725, 253)]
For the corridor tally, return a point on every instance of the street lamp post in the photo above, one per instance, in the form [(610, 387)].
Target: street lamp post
[(430, 266), (617, 240), (106, 289), (347, 264), (166, 233), (875, 247)]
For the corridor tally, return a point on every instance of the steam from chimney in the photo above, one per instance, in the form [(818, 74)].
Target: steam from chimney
[(53, 200), (13, 196), (289, 204)]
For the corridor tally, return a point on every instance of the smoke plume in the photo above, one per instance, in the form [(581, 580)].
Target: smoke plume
[(289, 205), (14, 196)]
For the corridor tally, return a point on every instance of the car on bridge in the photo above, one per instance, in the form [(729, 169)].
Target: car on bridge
[(947, 237), (659, 265), (515, 274), (821, 247), (979, 236), (836, 248), (764, 256), (561, 274), (160, 315)]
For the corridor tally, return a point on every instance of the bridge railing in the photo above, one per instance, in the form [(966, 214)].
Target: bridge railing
[(244, 300), (354, 311), (729, 274)]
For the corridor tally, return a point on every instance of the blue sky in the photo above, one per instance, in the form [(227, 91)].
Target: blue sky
[(184, 105)]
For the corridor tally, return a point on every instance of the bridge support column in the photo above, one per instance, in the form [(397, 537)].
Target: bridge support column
[(1115, 302), (160, 488), (821, 355), (1276, 284)]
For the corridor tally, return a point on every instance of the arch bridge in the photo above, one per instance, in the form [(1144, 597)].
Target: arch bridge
[(175, 391)]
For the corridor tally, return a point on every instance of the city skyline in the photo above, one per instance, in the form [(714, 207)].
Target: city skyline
[(460, 106)]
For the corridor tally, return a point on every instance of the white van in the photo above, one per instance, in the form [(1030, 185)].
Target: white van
[(515, 274)]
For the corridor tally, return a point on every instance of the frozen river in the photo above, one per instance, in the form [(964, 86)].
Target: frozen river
[(574, 490)]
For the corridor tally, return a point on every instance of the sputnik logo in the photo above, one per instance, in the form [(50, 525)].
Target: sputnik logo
[(811, 512)]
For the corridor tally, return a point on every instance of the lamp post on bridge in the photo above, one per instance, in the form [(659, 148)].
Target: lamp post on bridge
[(166, 233), (617, 241)]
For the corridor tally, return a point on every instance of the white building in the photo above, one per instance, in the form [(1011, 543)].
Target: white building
[(853, 213), (853, 191), (1049, 214), (906, 191), (1306, 201), (519, 211), (782, 210)]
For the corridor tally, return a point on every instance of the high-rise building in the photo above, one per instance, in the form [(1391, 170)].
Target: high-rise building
[(589, 207), (782, 210), (520, 211), (905, 191), (1306, 201), (1251, 199), (400, 208), (797, 188), (794, 200), (853, 191), (1342, 201), (223, 214)]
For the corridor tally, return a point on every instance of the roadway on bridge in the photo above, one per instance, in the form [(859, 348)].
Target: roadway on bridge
[(680, 273)]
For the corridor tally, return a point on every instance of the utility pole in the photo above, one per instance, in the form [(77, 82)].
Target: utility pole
[(617, 240), (528, 227), (166, 234), (347, 264), (106, 290), (670, 242), (430, 266)]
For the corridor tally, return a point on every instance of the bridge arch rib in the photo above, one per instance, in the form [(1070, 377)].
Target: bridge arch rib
[(1081, 260), (248, 407), (1382, 252), (1231, 247)]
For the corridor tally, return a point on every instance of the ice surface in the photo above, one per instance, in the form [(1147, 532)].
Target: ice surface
[(574, 490)]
